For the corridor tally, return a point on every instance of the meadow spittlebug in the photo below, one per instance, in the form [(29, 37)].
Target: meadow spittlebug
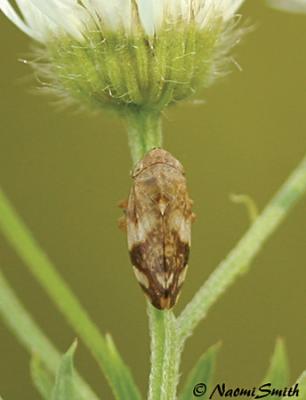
[(158, 221)]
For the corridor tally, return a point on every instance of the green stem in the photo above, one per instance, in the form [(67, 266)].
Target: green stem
[(172, 356), (245, 251), (43, 270), (30, 335), (165, 355), (157, 322), (144, 133)]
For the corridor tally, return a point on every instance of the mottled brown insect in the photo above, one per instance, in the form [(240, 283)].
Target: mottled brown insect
[(158, 219)]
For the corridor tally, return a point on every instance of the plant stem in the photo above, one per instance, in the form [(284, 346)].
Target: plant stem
[(30, 335), (172, 357), (245, 251), (165, 355), (38, 263), (144, 133), (157, 322)]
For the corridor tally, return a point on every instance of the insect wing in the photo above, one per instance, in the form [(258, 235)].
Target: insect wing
[(145, 240)]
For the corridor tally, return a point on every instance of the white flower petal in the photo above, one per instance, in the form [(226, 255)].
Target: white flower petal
[(67, 15), (42, 17), (11, 14), (36, 20), (114, 13), (151, 14), (176, 9), (230, 7)]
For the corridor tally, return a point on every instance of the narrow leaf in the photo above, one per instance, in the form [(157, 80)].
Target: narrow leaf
[(40, 265), (29, 334), (41, 378), (302, 386), (65, 384), (202, 373), (120, 375), (299, 388), (278, 372)]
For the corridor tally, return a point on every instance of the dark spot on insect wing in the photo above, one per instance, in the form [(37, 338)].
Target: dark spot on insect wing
[(136, 255)]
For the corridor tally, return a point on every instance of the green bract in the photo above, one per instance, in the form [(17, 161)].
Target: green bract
[(133, 72)]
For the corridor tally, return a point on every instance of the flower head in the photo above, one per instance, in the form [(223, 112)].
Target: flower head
[(131, 53)]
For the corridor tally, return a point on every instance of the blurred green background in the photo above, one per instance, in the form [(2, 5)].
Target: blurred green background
[(65, 173)]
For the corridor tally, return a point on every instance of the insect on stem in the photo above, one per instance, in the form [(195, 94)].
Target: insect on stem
[(159, 216)]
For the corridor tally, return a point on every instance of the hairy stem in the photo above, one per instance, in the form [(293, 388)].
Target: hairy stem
[(168, 334), (165, 355), (172, 356), (144, 133), (245, 251), (157, 326)]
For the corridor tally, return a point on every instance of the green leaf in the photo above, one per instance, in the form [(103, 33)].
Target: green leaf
[(29, 334), (42, 378), (202, 372), (65, 383), (39, 264), (278, 372), (302, 386), (120, 374)]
